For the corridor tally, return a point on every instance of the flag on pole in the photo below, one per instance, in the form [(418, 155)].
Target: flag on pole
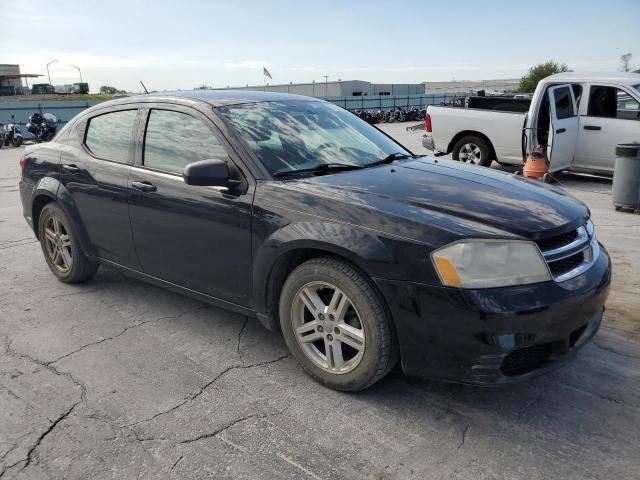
[(266, 73)]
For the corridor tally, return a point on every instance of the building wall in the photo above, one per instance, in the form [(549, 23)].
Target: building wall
[(496, 85), (9, 69), (345, 88)]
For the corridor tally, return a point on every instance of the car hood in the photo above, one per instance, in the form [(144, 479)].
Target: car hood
[(458, 197)]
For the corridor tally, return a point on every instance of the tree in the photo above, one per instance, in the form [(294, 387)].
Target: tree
[(529, 82), (106, 90), (625, 59)]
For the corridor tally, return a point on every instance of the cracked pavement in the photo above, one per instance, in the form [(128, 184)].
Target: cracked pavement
[(118, 379)]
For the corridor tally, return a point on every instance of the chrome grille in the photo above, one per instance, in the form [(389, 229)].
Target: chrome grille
[(557, 241), (571, 253)]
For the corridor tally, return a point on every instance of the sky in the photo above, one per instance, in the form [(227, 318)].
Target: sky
[(184, 44)]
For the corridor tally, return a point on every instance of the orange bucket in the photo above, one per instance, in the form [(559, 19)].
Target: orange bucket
[(536, 165)]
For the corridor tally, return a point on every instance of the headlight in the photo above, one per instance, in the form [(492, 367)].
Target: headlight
[(490, 263)]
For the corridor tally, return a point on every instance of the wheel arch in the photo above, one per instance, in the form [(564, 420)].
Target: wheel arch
[(271, 271), (50, 190), (472, 133)]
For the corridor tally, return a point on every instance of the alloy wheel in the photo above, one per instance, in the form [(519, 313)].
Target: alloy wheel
[(58, 244), (327, 327), (470, 153)]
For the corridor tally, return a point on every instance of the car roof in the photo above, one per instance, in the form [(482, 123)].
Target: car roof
[(218, 98), (615, 77)]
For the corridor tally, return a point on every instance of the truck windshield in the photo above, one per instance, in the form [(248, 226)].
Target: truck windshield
[(302, 135)]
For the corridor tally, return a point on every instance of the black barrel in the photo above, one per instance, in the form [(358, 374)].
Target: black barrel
[(626, 177)]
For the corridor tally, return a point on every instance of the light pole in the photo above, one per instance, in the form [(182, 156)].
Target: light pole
[(77, 68), (48, 74), (326, 86)]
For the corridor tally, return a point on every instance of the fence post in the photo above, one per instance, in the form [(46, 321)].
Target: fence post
[(40, 107)]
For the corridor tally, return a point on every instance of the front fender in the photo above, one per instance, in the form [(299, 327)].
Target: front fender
[(365, 248)]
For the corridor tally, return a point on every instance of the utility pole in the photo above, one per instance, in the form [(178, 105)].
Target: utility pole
[(326, 86), (77, 68), (48, 74)]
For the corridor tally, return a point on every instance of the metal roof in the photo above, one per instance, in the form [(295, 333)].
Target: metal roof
[(20, 75)]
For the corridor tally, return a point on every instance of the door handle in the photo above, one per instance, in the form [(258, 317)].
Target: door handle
[(592, 127), (144, 186), (70, 168), (561, 130)]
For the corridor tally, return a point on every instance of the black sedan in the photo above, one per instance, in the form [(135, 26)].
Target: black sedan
[(297, 212)]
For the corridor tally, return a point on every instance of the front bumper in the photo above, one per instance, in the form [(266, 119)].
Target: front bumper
[(496, 335)]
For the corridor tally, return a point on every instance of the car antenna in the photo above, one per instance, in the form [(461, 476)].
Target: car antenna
[(145, 88)]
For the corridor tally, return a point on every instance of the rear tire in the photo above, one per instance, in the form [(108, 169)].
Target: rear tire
[(472, 150), (348, 342), (60, 246)]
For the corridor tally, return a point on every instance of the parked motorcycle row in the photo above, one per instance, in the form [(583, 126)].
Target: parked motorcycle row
[(391, 115), (42, 127)]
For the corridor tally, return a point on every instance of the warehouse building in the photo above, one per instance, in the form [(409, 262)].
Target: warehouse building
[(11, 80), (507, 85), (340, 88)]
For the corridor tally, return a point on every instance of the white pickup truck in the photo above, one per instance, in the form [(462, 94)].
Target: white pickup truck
[(578, 118)]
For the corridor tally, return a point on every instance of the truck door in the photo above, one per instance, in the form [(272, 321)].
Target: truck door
[(563, 130), (612, 116)]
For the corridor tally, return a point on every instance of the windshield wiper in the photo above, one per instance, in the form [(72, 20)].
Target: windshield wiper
[(390, 159), (319, 169)]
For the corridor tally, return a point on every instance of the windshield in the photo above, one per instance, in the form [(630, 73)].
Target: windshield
[(296, 135)]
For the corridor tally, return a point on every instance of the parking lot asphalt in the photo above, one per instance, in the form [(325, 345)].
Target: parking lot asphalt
[(115, 378)]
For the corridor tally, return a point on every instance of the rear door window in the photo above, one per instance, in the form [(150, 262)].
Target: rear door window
[(612, 102), (175, 139), (108, 136)]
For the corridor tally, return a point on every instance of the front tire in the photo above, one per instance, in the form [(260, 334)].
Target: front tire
[(336, 326), (472, 150), (60, 246), (17, 141)]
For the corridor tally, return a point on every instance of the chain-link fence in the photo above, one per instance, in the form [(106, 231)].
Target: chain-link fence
[(384, 102)]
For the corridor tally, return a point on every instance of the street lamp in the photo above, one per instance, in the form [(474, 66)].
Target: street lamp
[(77, 68), (48, 74)]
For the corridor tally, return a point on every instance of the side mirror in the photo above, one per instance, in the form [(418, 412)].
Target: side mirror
[(213, 173)]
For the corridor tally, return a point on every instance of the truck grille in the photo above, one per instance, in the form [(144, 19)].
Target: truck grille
[(571, 253)]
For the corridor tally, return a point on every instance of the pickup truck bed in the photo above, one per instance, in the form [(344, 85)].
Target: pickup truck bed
[(496, 132)]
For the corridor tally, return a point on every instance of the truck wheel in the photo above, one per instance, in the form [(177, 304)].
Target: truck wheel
[(473, 150), (336, 326)]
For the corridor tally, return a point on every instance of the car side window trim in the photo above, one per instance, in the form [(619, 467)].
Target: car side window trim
[(141, 138), (85, 123)]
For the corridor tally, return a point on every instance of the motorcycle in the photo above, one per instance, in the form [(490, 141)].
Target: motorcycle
[(12, 134), (42, 127)]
